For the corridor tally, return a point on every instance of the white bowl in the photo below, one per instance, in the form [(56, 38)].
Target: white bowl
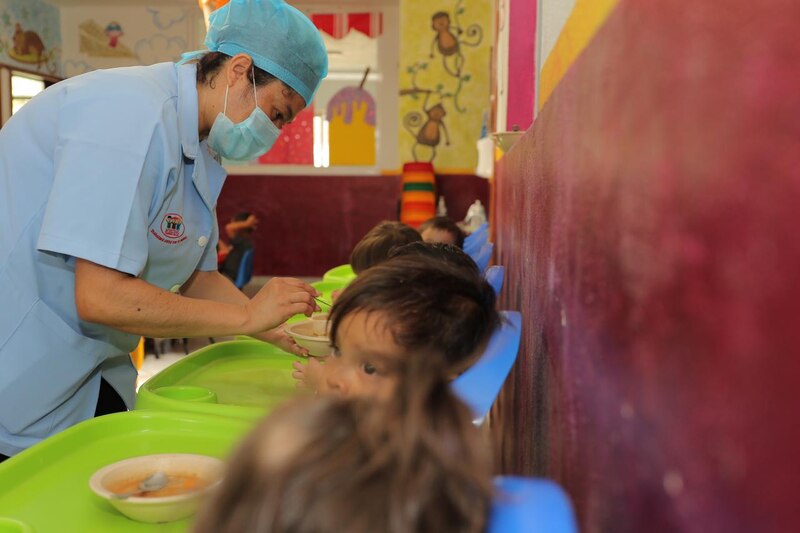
[(161, 508), (303, 334), (506, 139), (320, 324)]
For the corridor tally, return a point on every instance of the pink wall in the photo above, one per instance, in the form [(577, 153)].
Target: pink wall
[(648, 224), (521, 63), (311, 223)]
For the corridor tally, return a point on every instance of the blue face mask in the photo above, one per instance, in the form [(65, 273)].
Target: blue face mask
[(244, 141)]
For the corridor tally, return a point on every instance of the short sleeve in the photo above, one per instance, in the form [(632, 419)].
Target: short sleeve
[(208, 261), (109, 157)]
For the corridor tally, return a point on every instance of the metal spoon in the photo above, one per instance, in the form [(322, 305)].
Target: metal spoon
[(322, 301), (153, 482)]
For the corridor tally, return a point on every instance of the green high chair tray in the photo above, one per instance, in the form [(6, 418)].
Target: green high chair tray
[(340, 273), (47, 486), (242, 379)]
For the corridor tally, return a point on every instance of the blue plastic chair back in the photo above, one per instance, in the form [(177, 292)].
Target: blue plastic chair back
[(530, 505), (483, 257), (494, 275), (245, 273), (479, 386), (476, 239)]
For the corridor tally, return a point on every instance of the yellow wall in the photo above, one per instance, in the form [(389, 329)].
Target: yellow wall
[(586, 18), (419, 72)]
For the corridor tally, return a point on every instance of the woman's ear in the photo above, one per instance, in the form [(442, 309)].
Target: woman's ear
[(237, 68)]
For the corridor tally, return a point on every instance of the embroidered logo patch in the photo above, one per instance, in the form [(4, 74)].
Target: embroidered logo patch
[(172, 229)]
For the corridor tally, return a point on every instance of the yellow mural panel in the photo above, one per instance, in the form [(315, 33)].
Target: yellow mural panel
[(444, 80), (351, 113), (586, 18)]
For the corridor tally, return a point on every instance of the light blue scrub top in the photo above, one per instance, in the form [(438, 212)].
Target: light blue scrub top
[(106, 167)]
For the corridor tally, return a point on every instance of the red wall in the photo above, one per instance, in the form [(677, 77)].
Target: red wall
[(648, 223), (309, 224), (521, 63)]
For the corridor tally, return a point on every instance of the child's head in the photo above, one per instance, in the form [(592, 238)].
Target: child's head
[(374, 247), (403, 309), (325, 464), (442, 229), (449, 253)]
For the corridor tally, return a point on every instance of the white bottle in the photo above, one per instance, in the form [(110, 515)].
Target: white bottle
[(441, 208), (476, 215)]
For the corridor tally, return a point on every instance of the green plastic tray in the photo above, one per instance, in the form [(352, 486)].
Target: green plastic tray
[(340, 273), (246, 379), (47, 486)]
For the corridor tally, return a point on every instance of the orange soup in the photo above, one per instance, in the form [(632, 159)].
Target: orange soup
[(176, 484)]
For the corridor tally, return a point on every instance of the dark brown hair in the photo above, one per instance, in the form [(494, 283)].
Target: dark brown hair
[(444, 224), (209, 65), (375, 246), (430, 306), (413, 464), (449, 253)]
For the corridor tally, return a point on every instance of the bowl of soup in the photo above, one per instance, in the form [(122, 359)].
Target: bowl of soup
[(311, 334), (188, 479)]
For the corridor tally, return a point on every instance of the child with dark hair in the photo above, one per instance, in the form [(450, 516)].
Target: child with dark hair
[(442, 229), (240, 231), (403, 309), (449, 253), (375, 246), (318, 465)]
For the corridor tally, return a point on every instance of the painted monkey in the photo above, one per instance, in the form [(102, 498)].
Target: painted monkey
[(428, 133), (448, 44)]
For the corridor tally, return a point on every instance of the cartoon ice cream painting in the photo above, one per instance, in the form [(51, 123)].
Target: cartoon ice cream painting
[(351, 114)]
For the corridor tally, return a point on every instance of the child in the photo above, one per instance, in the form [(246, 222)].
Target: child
[(405, 308), (442, 229), (449, 253), (240, 231), (415, 463), (374, 247)]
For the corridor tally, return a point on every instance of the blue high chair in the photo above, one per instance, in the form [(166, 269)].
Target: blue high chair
[(476, 239), (245, 273), (479, 386), (530, 505), (494, 275), (483, 256), (477, 234)]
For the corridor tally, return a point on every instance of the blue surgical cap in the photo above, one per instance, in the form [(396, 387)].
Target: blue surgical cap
[(280, 39)]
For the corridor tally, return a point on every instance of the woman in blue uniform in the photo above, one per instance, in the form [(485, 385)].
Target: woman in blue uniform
[(108, 188)]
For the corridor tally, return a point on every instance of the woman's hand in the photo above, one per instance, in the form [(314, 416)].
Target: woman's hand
[(278, 337), (276, 302)]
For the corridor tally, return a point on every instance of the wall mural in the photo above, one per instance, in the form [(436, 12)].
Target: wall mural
[(98, 42), (30, 36), (443, 53), (352, 116), (125, 36)]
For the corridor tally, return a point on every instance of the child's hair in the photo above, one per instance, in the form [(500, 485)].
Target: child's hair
[(444, 224), (375, 246), (449, 253), (327, 464), (429, 305)]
